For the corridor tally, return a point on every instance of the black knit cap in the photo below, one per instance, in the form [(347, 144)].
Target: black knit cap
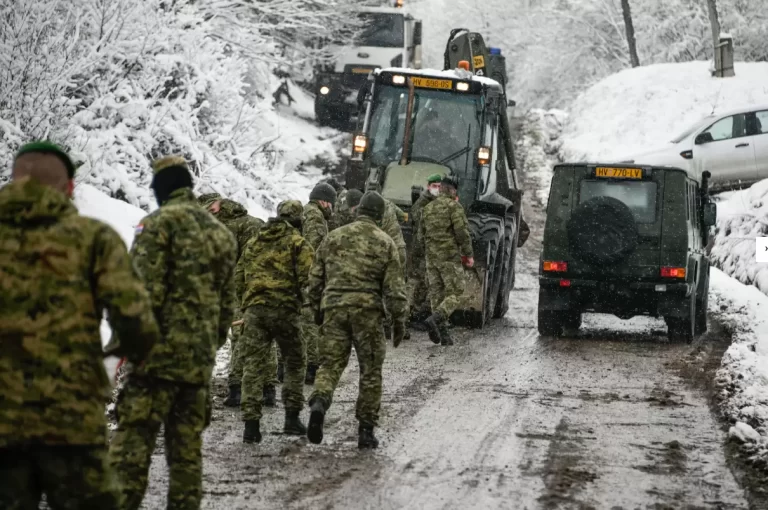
[(323, 191), (372, 204), (353, 197), (450, 180), (45, 147)]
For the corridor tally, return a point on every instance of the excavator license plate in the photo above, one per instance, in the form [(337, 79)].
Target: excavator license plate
[(431, 83), (619, 173)]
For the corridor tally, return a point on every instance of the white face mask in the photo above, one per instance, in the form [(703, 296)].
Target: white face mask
[(434, 190)]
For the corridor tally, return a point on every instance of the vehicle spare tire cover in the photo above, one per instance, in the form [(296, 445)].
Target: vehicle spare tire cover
[(602, 230)]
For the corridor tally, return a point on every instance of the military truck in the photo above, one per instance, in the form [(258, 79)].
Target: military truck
[(627, 241), (390, 37), (417, 123)]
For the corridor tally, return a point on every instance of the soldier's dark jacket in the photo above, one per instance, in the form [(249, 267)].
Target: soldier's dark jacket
[(187, 261), (444, 230), (314, 223), (274, 268), (355, 266), (58, 272)]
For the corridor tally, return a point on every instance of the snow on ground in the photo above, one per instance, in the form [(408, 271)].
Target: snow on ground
[(641, 109), (741, 217), (743, 378)]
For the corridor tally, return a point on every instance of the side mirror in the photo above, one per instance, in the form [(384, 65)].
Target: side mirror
[(703, 138), (416, 192), (511, 103), (710, 214)]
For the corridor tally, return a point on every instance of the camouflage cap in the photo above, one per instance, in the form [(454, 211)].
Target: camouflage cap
[(161, 164), (208, 198), (45, 147), (289, 209), (434, 178)]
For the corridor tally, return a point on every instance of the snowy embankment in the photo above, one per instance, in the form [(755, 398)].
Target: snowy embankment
[(538, 149), (639, 109)]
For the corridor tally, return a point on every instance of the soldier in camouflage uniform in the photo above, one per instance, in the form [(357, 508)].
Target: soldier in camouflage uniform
[(60, 272), (356, 274), (187, 261), (235, 217), (274, 271), (417, 278), (314, 226), (448, 245), (347, 203)]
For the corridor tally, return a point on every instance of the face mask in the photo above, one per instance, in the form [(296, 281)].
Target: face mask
[(434, 191)]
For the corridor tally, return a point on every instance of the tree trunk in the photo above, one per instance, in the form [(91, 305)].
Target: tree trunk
[(630, 28), (714, 20)]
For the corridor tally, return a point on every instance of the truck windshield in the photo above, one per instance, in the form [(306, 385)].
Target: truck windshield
[(639, 196), (382, 30), (446, 128)]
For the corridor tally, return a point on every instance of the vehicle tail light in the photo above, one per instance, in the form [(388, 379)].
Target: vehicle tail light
[(687, 154), (673, 272), (565, 283), (559, 267)]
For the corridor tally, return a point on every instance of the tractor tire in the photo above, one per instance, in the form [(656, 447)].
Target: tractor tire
[(508, 269), (489, 230)]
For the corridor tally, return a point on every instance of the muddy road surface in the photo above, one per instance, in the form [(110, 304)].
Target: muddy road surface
[(615, 417)]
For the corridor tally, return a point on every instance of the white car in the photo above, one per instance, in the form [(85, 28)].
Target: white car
[(732, 145)]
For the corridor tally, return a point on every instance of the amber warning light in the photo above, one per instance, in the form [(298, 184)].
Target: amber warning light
[(673, 272), (559, 267)]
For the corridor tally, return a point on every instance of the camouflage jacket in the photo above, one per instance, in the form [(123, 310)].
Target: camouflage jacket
[(187, 260), (417, 212), (341, 214), (60, 272), (274, 268), (390, 223), (235, 217), (314, 223), (358, 266), (444, 230)]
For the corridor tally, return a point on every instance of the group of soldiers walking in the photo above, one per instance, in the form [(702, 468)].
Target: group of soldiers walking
[(294, 295)]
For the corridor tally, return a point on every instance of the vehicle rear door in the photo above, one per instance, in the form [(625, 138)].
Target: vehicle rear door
[(761, 144), (730, 156)]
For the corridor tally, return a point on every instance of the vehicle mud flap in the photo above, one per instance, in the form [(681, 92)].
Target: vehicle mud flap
[(473, 301)]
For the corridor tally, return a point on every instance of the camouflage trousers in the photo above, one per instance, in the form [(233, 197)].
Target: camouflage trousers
[(71, 477), (144, 406), (417, 288), (236, 360), (265, 327), (446, 287), (343, 329), (310, 334)]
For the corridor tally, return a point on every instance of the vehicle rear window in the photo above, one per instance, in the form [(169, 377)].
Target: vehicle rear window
[(639, 196)]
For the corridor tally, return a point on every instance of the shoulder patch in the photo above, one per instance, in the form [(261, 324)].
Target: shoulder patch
[(139, 229)]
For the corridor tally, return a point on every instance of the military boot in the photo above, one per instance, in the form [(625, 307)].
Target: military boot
[(269, 397), (445, 335), (293, 425), (252, 433), (316, 419), (233, 399), (433, 327), (365, 437), (311, 372)]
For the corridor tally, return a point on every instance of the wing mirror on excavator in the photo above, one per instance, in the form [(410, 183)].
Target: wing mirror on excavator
[(511, 103)]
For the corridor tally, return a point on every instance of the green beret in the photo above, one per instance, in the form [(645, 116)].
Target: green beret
[(44, 147), (161, 164), (434, 178)]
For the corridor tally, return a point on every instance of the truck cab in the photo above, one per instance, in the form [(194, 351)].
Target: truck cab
[(390, 37)]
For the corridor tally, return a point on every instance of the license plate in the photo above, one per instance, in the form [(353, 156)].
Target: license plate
[(360, 70), (619, 173), (479, 61), (431, 83)]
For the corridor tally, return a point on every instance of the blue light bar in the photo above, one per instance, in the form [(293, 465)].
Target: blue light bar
[(495, 51)]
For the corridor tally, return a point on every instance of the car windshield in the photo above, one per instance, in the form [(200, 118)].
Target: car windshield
[(685, 134), (639, 196), (382, 30), (446, 127)]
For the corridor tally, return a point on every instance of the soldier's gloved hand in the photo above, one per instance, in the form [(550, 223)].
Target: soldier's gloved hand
[(398, 332), (319, 317), (468, 261)]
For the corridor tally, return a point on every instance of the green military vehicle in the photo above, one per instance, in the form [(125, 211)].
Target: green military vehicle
[(414, 123), (626, 241)]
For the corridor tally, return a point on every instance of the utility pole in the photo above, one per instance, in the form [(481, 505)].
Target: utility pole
[(714, 21), (630, 28)]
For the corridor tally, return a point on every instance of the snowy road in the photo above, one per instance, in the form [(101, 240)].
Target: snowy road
[(615, 418)]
